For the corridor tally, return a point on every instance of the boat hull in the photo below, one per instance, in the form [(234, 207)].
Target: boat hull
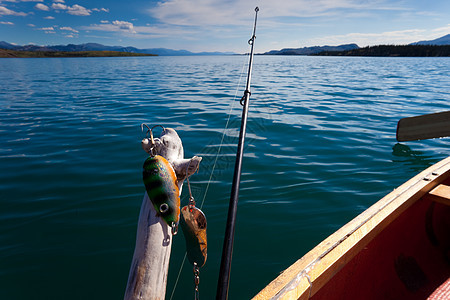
[(399, 248)]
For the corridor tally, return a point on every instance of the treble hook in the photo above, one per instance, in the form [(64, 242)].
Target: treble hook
[(149, 135)]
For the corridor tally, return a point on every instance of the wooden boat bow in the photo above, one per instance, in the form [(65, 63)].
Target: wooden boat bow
[(329, 270)]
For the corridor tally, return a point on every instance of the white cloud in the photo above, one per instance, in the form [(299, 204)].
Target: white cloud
[(442, 30), (100, 9), (78, 10), (123, 25), (104, 21), (15, 1), (115, 26), (128, 28), (7, 12), (69, 29), (216, 12), (41, 6), (47, 29), (59, 6), (6, 23), (58, 1), (49, 18), (289, 22), (202, 12)]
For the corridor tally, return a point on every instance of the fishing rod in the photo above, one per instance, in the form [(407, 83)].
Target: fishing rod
[(227, 251)]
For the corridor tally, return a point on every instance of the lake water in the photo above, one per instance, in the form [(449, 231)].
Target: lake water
[(320, 149)]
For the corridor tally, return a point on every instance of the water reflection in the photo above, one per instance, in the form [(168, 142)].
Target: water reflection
[(416, 159)]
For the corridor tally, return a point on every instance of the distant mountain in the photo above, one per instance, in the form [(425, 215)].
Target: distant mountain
[(170, 52), (445, 40), (100, 47), (311, 50), (5, 45)]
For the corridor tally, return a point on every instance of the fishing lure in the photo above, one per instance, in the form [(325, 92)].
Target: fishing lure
[(161, 185), (193, 223)]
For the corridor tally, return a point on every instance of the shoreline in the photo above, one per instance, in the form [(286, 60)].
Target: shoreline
[(6, 53)]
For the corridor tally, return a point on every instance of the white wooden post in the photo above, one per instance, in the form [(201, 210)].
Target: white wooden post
[(150, 265)]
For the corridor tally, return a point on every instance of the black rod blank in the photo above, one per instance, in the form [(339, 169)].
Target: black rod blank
[(227, 251)]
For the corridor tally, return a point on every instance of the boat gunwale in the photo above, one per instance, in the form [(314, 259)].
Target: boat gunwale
[(311, 272)]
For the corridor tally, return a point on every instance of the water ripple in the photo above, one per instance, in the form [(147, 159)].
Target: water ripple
[(320, 148)]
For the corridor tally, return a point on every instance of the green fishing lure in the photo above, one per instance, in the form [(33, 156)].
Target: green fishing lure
[(161, 185)]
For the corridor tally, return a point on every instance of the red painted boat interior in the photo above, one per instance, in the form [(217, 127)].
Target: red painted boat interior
[(409, 259)]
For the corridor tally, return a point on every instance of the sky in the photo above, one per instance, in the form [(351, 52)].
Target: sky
[(222, 25)]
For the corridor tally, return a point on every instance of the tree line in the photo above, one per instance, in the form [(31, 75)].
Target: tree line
[(393, 51), (5, 53)]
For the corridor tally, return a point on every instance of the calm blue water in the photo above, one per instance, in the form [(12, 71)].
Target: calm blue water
[(320, 149)]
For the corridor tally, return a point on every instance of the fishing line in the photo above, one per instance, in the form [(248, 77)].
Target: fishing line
[(226, 127), (224, 133), (215, 163), (178, 277)]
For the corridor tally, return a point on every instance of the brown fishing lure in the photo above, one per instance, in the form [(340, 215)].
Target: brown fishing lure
[(193, 223), (161, 185)]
